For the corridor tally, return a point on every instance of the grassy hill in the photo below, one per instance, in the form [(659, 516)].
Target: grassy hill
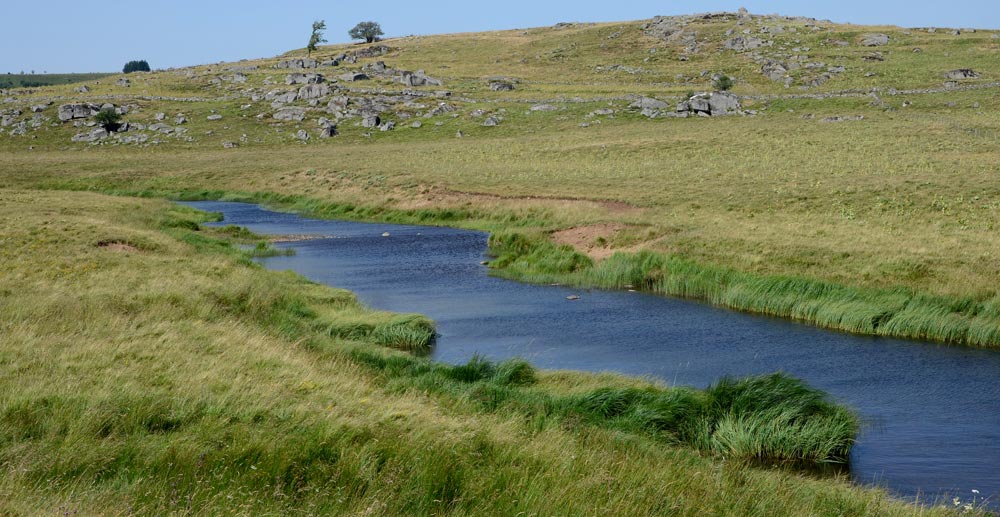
[(856, 189)]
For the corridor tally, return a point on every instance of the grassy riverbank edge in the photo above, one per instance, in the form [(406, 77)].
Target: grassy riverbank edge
[(525, 253), (175, 396)]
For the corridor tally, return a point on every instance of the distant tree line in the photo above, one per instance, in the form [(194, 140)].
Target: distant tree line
[(21, 83), (136, 66)]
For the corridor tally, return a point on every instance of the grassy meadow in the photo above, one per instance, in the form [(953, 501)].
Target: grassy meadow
[(150, 367), (22, 80)]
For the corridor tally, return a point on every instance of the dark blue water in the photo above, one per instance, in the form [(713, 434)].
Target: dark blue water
[(934, 410)]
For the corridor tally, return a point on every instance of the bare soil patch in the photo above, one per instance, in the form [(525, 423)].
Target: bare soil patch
[(594, 240), (119, 246)]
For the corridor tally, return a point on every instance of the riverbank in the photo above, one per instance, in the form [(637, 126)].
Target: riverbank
[(193, 380), (526, 251)]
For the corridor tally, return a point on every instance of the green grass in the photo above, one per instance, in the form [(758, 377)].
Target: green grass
[(895, 312), (191, 380), (11, 80), (164, 372)]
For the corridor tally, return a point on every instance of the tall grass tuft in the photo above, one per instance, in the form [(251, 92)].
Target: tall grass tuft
[(888, 312)]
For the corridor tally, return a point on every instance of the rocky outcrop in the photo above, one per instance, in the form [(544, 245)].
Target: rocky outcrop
[(774, 70), (874, 40), (296, 63), (961, 73), (304, 79), (711, 104), (290, 114), (353, 76), (499, 86), (91, 136), (418, 78), (744, 43), (370, 52), (313, 91), (649, 107), (77, 111)]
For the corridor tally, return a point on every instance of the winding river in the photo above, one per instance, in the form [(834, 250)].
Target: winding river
[(932, 411)]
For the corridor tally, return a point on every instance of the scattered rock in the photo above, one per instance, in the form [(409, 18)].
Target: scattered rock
[(160, 116), (123, 82), (388, 126), (842, 119), (180, 119), (744, 43), (328, 130), (215, 117), (38, 108), (93, 136), (279, 98), (290, 114), (297, 63), (491, 122), (313, 91), (375, 51), (603, 112), (501, 86), (353, 76), (82, 89), (161, 128), (19, 129), (77, 111), (774, 70), (370, 121), (304, 79), (961, 73), (302, 135), (418, 78), (649, 103), (543, 107), (874, 40), (9, 117), (230, 145), (711, 104), (459, 134), (417, 124)]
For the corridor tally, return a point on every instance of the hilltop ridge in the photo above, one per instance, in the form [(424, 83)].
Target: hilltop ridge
[(831, 130), (769, 57)]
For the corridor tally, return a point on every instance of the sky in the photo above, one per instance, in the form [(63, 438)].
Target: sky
[(61, 36)]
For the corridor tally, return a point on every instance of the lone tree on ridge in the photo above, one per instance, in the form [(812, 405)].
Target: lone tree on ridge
[(368, 31), (317, 36)]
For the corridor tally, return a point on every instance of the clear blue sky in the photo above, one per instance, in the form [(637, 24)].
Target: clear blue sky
[(79, 36)]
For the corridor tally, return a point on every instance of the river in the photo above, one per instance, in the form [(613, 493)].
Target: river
[(932, 411)]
